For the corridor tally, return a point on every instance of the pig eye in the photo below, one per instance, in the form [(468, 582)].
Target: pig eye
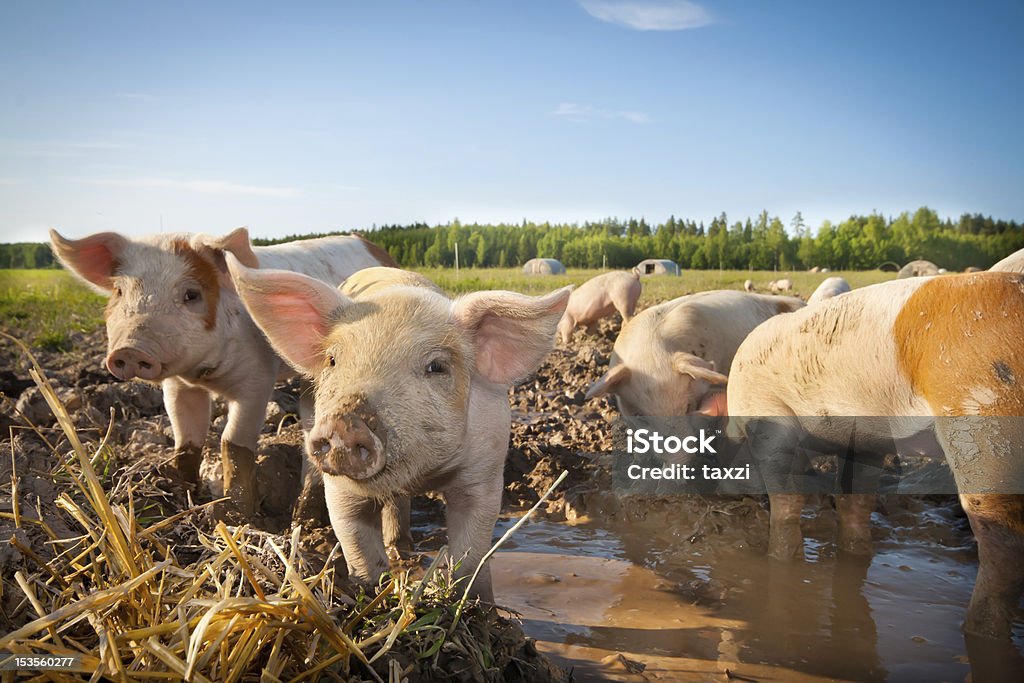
[(330, 360), (192, 295), (436, 367), (117, 291)]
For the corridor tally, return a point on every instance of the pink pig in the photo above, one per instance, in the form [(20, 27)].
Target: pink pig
[(174, 318), (411, 393), (600, 297)]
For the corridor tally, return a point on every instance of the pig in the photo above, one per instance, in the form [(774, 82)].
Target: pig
[(910, 349), (1014, 263), (779, 286), (674, 358), (748, 286), (411, 394), (174, 318), (830, 287), (600, 297)]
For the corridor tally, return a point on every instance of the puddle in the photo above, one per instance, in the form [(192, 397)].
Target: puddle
[(636, 602)]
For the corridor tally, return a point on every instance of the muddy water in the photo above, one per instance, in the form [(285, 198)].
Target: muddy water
[(636, 601)]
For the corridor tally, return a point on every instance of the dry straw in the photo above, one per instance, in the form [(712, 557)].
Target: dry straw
[(249, 608)]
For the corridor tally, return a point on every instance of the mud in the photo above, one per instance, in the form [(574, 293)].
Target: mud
[(611, 588)]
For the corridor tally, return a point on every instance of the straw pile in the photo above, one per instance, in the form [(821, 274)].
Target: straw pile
[(247, 606)]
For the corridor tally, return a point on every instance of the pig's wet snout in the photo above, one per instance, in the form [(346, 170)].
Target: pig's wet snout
[(129, 362), (347, 446)]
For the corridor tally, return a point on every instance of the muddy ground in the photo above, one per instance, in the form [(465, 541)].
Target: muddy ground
[(661, 562)]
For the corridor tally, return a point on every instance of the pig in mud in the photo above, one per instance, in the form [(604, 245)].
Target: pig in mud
[(173, 317), (411, 394), (599, 297), (943, 350), (673, 358), (829, 288)]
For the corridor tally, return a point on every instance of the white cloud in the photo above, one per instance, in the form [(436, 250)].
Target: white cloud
[(649, 15), (204, 186), (582, 112)]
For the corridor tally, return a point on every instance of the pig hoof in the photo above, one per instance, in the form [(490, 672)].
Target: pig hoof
[(311, 511), (187, 460), (855, 544)]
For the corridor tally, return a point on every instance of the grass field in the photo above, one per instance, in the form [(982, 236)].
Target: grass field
[(47, 306)]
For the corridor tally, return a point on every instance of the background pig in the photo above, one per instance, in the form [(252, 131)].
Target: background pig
[(411, 395), (779, 286), (1014, 263), (600, 297), (748, 286), (830, 287), (669, 358), (174, 318)]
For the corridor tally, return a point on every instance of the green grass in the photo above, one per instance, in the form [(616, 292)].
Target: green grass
[(45, 307), (655, 288)]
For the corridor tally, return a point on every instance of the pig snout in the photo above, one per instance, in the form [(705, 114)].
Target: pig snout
[(346, 446), (129, 362)]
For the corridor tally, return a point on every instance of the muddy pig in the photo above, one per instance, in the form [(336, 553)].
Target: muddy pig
[(673, 358), (598, 298), (945, 348), (173, 317), (411, 393)]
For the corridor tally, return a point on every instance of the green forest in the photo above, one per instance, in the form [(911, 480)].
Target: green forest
[(760, 243)]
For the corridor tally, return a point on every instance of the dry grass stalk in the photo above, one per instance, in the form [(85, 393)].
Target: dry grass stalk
[(115, 593)]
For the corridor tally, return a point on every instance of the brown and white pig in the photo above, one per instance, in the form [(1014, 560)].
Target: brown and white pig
[(829, 288), (600, 297), (173, 317), (909, 349), (411, 393), (674, 358)]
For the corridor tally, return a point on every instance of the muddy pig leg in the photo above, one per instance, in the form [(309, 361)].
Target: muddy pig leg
[(998, 525), (396, 522), (189, 411), (772, 443), (985, 454), (238, 447), (357, 524), (854, 510), (311, 505), (472, 511)]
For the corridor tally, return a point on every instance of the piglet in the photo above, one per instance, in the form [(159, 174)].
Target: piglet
[(411, 394)]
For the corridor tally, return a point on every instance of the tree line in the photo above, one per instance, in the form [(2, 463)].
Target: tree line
[(759, 243)]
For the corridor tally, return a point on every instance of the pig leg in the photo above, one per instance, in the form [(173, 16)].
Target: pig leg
[(998, 525), (311, 505), (854, 510), (472, 511), (985, 455), (396, 520), (357, 524), (238, 446), (772, 443), (189, 410)]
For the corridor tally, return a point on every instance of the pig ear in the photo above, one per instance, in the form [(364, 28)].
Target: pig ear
[(697, 368), (293, 310), (511, 332), (612, 379), (92, 259), (714, 404), (235, 242)]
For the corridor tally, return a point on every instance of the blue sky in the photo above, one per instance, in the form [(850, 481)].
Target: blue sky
[(312, 117)]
